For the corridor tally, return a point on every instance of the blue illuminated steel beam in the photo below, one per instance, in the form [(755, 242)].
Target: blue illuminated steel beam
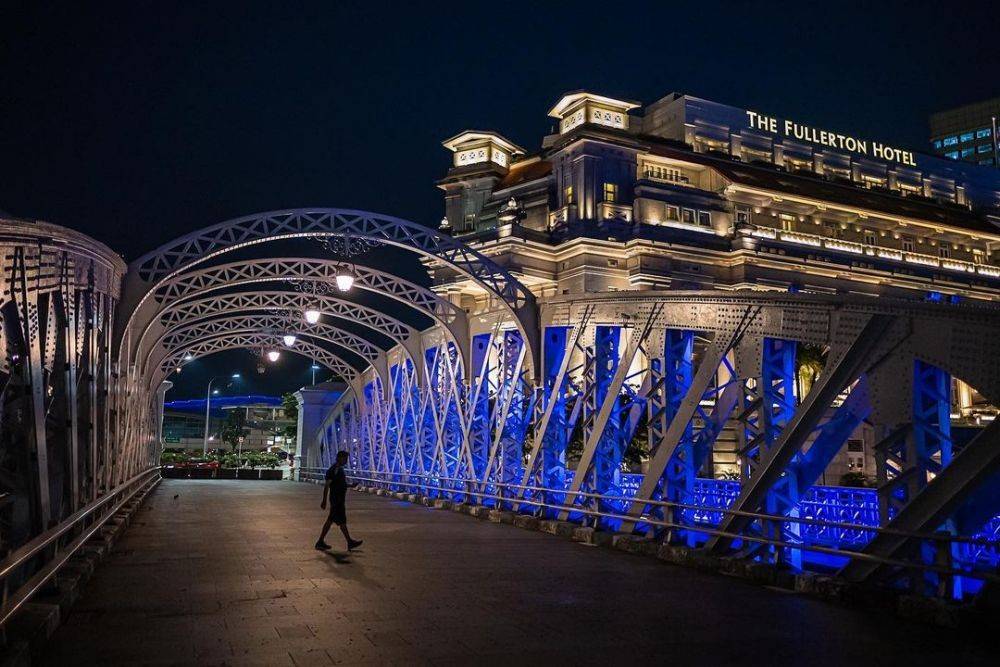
[(839, 373)]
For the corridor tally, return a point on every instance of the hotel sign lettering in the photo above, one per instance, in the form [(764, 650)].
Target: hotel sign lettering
[(794, 130)]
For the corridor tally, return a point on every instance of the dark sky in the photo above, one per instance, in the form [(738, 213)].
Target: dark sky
[(139, 121)]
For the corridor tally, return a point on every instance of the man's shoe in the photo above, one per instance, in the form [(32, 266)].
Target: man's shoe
[(354, 544), (323, 546)]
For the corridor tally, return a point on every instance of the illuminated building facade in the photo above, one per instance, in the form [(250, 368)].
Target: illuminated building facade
[(687, 194), (967, 133)]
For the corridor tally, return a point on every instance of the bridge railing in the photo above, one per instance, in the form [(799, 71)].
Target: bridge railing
[(947, 548), (26, 571)]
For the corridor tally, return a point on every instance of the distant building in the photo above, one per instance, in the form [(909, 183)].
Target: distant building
[(967, 133), (263, 418)]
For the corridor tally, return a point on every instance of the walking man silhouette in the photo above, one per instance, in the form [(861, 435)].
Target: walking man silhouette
[(335, 489)]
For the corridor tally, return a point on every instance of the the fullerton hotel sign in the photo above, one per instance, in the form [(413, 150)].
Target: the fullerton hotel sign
[(795, 130)]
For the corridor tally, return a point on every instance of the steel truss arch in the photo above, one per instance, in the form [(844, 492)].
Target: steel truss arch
[(180, 338), (450, 317), (209, 307), (208, 346), (150, 270)]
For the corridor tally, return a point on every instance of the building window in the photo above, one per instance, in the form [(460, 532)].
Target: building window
[(950, 141), (687, 215), (937, 143), (967, 152), (673, 213), (986, 162), (965, 137), (983, 133), (787, 222), (951, 155), (944, 252), (568, 194), (742, 216), (977, 256), (610, 193), (704, 218), (984, 148), (833, 230), (907, 243), (871, 238), (470, 220)]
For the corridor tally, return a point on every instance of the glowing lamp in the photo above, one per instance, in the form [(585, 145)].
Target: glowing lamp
[(311, 315), (272, 355), (344, 278), (289, 339)]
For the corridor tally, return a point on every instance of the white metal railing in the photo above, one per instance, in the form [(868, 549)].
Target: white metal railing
[(46, 544), (479, 490)]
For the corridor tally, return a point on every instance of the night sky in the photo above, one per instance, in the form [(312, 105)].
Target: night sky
[(140, 121)]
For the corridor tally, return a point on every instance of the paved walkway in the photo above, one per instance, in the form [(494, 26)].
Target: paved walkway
[(223, 572)]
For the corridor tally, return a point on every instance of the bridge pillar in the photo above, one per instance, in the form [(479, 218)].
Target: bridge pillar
[(314, 404)]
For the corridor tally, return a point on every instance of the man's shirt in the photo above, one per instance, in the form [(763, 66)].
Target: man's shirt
[(338, 483)]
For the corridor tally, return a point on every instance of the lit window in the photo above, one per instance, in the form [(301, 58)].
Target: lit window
[(950, 141), (951, 155), (984, 148), (787, 222), (967, 152), (907, 243), (937, 144), (673, 213), (983, 133), (965, 137), (610, 193), (871, 238), (984, 162), (470, 219), (742, 216), (944, 252), (704, 218), (568, 194), (977, 256), (687, 215)]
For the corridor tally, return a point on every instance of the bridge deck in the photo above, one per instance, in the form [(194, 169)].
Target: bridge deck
[(226, 574)]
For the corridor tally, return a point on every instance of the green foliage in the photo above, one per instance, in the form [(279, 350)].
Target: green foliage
[(229, 461), (810, 360), (233, 429), (854, 479), (290, 406), (174, 458), (730, 476), (268, 460)]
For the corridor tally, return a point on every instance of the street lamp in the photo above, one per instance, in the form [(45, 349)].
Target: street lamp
[(344, 278), (208, 406), (272, 355), (289, 339), (312, 315)]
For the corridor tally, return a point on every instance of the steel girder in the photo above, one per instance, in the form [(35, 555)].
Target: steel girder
[(185, 286), (147, 272), (58, 415)]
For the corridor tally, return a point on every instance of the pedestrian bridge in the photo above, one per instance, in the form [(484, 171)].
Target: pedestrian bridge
[(595, 412), (225, 573)]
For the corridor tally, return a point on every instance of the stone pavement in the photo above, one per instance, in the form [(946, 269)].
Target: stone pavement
[(225, 574)]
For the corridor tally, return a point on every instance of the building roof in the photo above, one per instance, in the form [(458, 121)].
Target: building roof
[(530, 171), (571, 98), (467, 136)]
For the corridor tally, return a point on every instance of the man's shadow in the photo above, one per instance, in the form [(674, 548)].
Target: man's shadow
[(356, 573), (342, 559)]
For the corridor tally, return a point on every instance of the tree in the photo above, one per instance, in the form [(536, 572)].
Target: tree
[(290, 406), (233, 429), (810, 360)]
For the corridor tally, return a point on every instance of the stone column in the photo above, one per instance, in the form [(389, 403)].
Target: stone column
[(314, 405)]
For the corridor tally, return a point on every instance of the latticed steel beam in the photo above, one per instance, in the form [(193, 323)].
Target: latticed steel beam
[(304, 348), (151, 269), (839, 373)]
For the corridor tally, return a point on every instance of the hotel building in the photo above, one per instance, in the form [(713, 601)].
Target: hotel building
[(687, 194), (967, 133)]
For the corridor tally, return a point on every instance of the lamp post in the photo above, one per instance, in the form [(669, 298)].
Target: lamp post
[(208, 406), (314, 368)]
